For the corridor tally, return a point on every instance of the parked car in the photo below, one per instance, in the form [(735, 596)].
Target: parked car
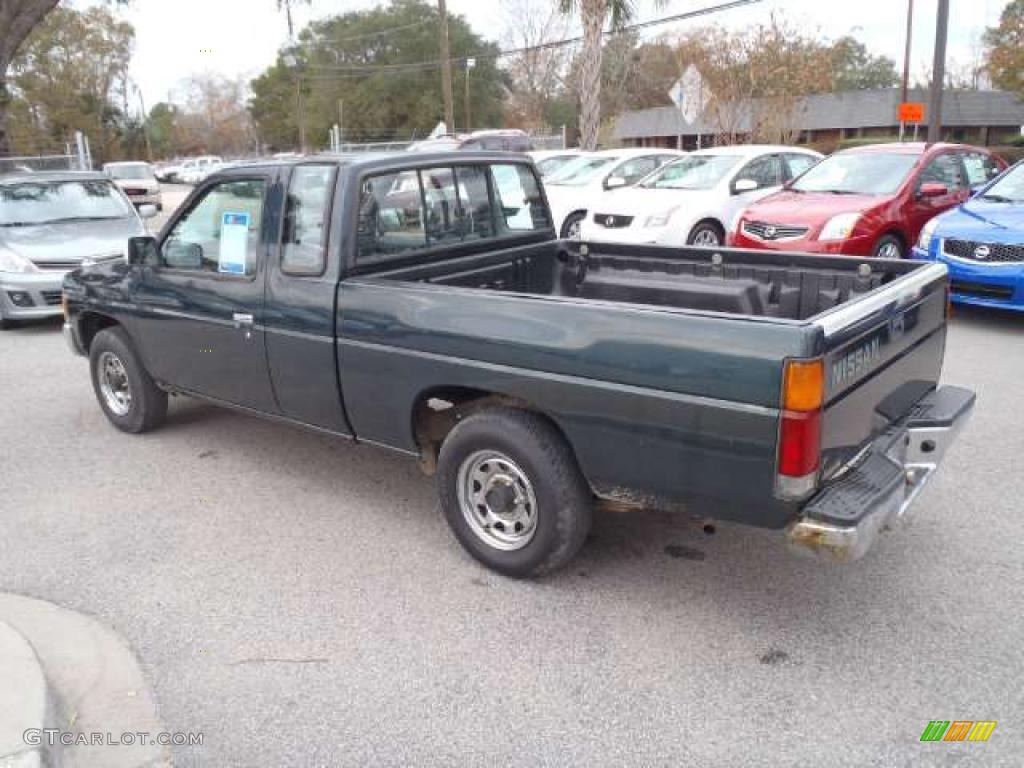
[(51, 223), (194, 171), (982, 243), (548, 161), (502, 140), (532, 375), (137, 181), (866, 201), (693, 199), (572, 189), (166, 172)]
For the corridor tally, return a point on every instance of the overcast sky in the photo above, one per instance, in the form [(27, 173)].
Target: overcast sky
[(176, 38)]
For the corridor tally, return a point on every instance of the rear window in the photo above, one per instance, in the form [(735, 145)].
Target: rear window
[(407, 211)]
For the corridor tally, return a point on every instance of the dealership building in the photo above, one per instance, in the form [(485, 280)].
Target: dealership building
[(974, 117)]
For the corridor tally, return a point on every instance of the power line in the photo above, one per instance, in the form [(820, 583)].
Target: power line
[(361, 70)]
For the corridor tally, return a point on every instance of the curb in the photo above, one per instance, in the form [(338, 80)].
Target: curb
[(21, 675), (91, 683)]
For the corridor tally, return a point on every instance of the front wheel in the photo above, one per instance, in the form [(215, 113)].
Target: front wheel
[(571, 226), (512, 492), (126, 393), (888, 247), (706, 234)]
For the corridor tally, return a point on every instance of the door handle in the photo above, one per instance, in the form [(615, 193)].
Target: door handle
[(242, 318)]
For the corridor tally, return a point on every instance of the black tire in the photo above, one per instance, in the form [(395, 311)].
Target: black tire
[(571, 220), (564, 503), (705, 229), (887, 242), (5, 324), (147, 408)]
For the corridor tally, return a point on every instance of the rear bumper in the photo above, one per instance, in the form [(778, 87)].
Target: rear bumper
[(842, 522)]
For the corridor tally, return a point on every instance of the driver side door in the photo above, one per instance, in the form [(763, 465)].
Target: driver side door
[(200, 307)]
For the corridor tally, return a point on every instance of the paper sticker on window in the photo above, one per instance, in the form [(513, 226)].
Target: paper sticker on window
[(234, 243)]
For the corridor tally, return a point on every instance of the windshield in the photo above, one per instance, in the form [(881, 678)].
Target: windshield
[(867, 173), (551, 165), (53, 201), (1009, 189), (136, 172), (693, 172), (582, 170)]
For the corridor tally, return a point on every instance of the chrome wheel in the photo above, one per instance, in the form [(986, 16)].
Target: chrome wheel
[(497, 500), (706, 237), (572, 229), (890, 250), (114, 386)]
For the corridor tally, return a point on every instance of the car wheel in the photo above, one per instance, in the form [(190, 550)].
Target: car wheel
[(126, 392), (888, 247), (706, 234), (571, 226), (512, 492)]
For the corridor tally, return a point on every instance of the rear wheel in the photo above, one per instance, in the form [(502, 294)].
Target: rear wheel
[(512, 492), (126, 392), (571, 225), (888, 247), (707, 234)]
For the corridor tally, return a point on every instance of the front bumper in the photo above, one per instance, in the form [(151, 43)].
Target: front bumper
[(24, 296), (997, 285), (842, 522), (851, 246)]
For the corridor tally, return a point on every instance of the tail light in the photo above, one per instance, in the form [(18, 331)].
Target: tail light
[(803, 395)]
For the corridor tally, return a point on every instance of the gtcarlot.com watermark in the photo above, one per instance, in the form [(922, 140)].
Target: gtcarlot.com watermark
[(52, 737)]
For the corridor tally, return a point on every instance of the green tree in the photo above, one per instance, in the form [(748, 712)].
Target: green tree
[(162, 123), (72, 74), (1004, 49), (855, 69), (382, 65)]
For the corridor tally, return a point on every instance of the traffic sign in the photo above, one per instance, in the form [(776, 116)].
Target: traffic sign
[(911, 112)]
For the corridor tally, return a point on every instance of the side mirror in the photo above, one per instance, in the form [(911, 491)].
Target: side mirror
[(932, 189), (743, 185), (614, 182), (142, 251), (147, 211)]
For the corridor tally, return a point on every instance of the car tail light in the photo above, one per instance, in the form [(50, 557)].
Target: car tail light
[(803, 395)]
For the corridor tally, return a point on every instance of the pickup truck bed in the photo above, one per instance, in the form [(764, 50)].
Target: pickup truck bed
[(773, 389)]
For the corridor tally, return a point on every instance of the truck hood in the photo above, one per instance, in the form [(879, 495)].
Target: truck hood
[(72, 240), (982, 220), (810, 208)]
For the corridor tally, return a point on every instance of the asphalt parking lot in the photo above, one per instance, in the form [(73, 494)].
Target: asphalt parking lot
[(299, 601)]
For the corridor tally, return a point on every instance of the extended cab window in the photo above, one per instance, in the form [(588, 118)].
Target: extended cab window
[(517, 195), (390, 216), (221, 232), (304, 242)]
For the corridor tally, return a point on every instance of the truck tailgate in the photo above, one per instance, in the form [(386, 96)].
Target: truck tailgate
[(882, 354)]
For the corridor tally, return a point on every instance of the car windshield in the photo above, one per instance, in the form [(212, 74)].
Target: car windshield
[(1009, 189), (863, 173), (45, 202), (580, 171), (551, 165), (134, 172), (693, 172)]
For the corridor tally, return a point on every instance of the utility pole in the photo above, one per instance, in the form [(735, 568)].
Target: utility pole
[(341, 120), (470, 63), (938, 73), (904, 91), (145, 126), (446, 70)]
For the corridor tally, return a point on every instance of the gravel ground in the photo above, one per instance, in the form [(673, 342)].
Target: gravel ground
[(299, 601)]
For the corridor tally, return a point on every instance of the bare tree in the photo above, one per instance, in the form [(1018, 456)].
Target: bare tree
[(537, 72)]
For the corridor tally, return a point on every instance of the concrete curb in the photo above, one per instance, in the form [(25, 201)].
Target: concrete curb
[(25, 703), (95, 687)]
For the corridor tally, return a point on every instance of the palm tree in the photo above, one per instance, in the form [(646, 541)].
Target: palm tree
[(593, 14), (287, 6)]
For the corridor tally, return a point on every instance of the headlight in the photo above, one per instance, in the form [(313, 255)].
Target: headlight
[(839, 227), (925, 240), (12, 262), (660, 219)]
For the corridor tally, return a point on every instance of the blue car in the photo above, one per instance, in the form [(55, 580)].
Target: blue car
[(982, 243)]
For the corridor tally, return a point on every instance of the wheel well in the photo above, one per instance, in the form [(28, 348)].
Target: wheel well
[(91, 323), (581, 212), (438, 410), (709, 220), (904, 245)]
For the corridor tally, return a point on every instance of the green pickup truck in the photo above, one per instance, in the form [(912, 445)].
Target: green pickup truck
[(423, 303)]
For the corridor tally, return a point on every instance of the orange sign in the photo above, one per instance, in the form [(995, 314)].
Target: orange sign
[(911, 112)]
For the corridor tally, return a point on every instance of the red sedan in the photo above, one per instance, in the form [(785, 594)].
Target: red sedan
[(867, 201)]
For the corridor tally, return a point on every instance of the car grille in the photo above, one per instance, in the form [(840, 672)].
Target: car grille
[(611, 221), (982, 290), (51, 297), (984, 253), (765, 231), (63, 265)]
